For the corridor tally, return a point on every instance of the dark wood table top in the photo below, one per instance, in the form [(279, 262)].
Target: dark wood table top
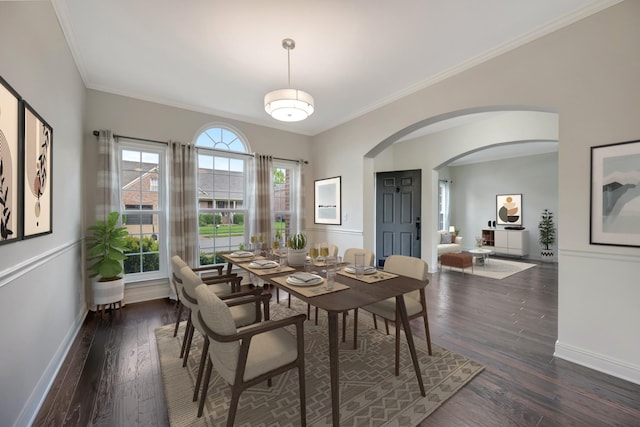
[(358, 295)]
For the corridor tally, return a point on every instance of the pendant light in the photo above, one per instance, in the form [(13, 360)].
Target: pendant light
[(288, 105)]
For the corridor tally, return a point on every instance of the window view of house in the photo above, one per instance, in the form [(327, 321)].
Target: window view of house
[(142, 210), (221, 193)]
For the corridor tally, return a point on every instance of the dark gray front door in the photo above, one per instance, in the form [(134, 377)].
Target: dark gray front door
[(397, 214)]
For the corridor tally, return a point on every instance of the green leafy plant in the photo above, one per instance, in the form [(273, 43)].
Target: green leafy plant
[(547, 230), (106, 243), (297, 241)]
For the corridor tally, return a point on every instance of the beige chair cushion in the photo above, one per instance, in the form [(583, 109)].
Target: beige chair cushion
[(267, 351), (217, 317), (406, 266), (242, 314)]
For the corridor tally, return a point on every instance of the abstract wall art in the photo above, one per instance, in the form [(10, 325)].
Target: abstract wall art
[(10, 191), (509, 209), (327, 201), (38, 139), (615, 194)]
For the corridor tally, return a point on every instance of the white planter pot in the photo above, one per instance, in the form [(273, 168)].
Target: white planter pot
[(296, 257), (108, 292)]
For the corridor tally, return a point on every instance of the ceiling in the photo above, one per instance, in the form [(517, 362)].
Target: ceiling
[(221, 56)]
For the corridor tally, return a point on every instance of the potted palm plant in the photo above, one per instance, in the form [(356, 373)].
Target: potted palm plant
[(105, 253), (297, 253), (547, 234)]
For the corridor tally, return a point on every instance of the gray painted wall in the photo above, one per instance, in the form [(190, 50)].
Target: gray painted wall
[(474, 189), (42, 299)]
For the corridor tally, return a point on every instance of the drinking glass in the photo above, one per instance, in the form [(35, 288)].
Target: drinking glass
[(359, 265), (331, 271)]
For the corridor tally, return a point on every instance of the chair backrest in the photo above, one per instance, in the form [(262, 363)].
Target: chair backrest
[(190, 281), (217, 317), (176, 265), (406, 266), (333, 250), (349, 256)]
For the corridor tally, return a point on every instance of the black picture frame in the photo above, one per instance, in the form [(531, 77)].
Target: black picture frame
[(615, 194), (327, 201), (10, 164), (37, 174)]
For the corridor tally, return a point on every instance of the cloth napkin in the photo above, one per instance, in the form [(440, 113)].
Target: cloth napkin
[(305, 277)]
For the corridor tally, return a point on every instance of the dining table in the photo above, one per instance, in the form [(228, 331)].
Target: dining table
[(348, 293)]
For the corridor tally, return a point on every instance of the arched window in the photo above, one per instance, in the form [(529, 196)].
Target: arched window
[(221, 191)]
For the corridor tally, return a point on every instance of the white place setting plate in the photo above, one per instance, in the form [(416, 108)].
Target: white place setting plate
[(352, 269), (304, 279), (241, 254), (263, 264)]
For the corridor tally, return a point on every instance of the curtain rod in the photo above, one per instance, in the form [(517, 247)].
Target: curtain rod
[(96, 133)]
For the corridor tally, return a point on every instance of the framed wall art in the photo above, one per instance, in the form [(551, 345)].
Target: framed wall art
[(615, 194), (38, 139), (327, 201), (509, 209), (10, 182)]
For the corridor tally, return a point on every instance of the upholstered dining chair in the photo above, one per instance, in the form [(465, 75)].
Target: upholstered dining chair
[(349, 257), (250, 355), (246, 310), (177, 263), (415, 302)]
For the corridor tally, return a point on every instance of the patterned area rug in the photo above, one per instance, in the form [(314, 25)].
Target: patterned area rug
[(370, 393), (494, 268)]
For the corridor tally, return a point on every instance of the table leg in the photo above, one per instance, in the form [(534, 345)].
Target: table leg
[(334, 366), (229, 267), (402, 308)]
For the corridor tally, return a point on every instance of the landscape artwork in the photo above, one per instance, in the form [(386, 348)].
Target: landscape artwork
[(9, 163), (509, 209), (615, 194), (38, 137)]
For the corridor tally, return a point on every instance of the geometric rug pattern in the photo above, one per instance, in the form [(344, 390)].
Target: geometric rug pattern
[(370, 393), (494, 268)]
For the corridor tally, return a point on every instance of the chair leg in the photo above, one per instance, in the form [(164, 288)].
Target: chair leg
[(233, 406), (203, 361), (289, 304), (205, 387), (344, 326), (175, 332), (303, 396), (426, 330), (397, 322), (186, 333), (188, 348), (355, 329)]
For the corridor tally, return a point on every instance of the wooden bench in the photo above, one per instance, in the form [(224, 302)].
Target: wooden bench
[(458, 260)]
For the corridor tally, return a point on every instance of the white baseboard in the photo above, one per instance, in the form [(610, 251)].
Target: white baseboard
[(598, 362), (39, 393), (146, 292)]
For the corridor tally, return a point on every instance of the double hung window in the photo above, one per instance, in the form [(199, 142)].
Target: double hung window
[(143, 209)]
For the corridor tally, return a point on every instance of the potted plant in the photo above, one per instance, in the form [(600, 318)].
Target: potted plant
[(297, 253), (547, 234), (105, 253)]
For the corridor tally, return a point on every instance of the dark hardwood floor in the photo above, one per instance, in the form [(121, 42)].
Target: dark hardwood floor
[(111, 376)]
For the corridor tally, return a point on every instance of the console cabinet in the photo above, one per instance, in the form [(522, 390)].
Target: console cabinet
[(506, 242)]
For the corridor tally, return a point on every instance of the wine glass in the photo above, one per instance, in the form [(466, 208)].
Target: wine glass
[(275, 245), (313, 254), (324, 253)]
